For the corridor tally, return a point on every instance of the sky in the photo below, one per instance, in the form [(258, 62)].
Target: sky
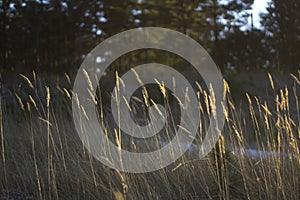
[(258, 7)]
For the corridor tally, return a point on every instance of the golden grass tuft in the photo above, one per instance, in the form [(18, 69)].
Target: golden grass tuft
[(42, 156)]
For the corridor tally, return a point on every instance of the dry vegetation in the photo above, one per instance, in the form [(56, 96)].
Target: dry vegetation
[(42, 156)]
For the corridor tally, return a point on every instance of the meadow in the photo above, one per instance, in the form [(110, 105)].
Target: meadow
[(42, 156)]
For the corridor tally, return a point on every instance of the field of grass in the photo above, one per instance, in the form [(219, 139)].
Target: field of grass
[(42, 156)]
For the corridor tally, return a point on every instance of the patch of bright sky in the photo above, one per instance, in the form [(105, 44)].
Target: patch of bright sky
[(259, 6)]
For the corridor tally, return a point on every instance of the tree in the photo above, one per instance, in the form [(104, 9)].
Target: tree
[(207, 21), (222, 18), (281, 22), (6, 13), (245, 50), (55, 34), (117, 16), (41, 35)]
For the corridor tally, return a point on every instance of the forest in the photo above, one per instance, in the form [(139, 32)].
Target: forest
[(56, 35)]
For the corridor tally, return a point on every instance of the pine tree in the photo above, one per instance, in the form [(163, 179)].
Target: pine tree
[(282, 24)]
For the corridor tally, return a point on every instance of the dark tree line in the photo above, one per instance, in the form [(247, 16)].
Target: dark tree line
[(54, 35), (282, 24)]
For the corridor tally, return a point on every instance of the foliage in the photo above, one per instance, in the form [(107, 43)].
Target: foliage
[(55, 35), (282, 24)]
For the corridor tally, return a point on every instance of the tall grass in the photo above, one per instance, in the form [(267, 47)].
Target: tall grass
[(42, 156)]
